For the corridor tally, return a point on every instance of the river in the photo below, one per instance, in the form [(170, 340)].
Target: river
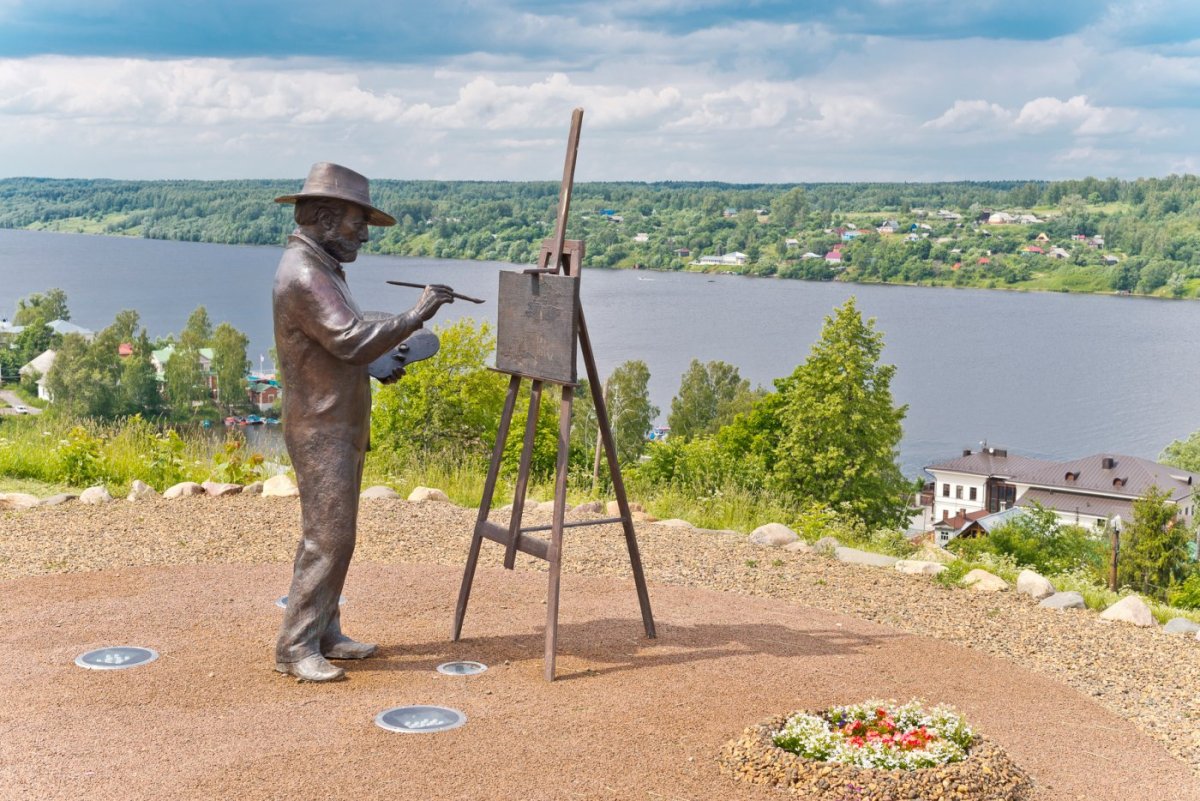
[(1046, 375)]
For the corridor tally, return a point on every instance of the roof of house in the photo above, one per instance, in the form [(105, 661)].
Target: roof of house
[(40, 364), (1067, 502), (1126, 476), (64, 327)]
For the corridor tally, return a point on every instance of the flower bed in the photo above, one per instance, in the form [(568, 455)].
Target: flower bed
[(875, 752)]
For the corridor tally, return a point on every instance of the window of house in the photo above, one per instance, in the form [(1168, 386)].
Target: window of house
[(958, 491), (974, 493), (945, 490)]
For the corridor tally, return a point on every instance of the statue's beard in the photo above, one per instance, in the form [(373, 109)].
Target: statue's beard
[(343, 249)]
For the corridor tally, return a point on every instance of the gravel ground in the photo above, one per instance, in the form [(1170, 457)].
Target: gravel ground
[(1143, 676)]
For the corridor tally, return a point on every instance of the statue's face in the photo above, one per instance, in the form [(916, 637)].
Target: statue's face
[(343, 239)]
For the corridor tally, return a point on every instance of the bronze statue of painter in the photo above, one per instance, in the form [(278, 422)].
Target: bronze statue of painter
[(324, 345)]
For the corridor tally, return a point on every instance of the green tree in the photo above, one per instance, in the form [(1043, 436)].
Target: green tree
[(629, 409), (184, 382), (230, 366), (1154, 554), (139, 384), (1183, 453), (840, 427), (41, 309), (709, 397), (198, 331)]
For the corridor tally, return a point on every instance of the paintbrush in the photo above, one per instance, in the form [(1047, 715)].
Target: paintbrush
[(422, 286)]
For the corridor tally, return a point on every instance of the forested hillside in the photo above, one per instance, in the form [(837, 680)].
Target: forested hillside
[(1088, 235)]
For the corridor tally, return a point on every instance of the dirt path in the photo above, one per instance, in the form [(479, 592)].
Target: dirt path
[(628, 719)]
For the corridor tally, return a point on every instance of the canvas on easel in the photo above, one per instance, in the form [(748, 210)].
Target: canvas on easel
[(541, 327)]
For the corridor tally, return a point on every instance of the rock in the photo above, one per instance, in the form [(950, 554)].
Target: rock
[(919, 567), (853, 556), (1181, 625), (18, 500), (427, 494), (1064, 600), (642, 517), (799, 546), (95, 496), (254, 488), (826, 545), (141, 491), (613, 509), (932, 553), (280, 486), (58, 500), (544, 506), (380, 493), (1132, 610), (983, 581), (1034, 585), (220, 489), (590, 507), (675, 522), (184, 490), (773, 535)]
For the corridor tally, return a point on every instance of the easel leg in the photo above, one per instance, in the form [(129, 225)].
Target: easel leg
[(518, 510), (485, 506), (614, 468), (556, 528)]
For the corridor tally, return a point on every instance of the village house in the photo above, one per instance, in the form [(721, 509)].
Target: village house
[(39, 368), (1086, 492), (641, 237), (729, 259), (159, 359)]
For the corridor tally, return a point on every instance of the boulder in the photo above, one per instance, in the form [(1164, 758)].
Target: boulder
[(826, 545), (675, 522), (773, 535), (220, 489), (427, 494), (253, 488), (18, 500), (57, 500), (1181, 625), (613, 508), (983, 581), (590, 507), (932, 553), (95, 496), (280, 486), (642, 517), (1034, 585), (1064, 600), (380, 493), (853, 556), (1132, 610), (799, 546), (919, 567), (140, 491), (184, 490)]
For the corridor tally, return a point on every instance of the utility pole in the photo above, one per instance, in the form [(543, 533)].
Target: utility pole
[(1114, 527)]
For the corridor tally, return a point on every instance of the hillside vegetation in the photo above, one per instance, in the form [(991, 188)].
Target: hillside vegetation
[(1140, 236)]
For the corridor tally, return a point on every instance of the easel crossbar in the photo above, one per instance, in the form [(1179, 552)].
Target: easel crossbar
[(534, 546), (578, 523)]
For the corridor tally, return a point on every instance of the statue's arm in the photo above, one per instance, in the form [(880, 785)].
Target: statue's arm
[(322, 313)]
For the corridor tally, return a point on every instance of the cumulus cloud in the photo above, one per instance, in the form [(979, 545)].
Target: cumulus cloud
[(1075, 114), (966, 115)]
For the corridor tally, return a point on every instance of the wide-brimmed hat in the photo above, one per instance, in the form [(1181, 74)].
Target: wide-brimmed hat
[(342, 183)]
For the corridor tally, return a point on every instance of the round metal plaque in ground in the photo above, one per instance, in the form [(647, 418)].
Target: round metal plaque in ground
[(420, 719), (281, 602), (463, 668), (117, 657)]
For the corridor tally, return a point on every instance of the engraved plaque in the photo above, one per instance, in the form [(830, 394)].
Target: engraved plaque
[(536, 332)]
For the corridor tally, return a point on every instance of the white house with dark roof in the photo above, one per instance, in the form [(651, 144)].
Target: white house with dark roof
[(1086, 492)]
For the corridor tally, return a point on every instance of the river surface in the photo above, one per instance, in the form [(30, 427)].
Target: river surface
[(1046, 375)]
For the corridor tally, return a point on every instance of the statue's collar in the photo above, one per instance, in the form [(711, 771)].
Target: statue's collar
[(320, 252)]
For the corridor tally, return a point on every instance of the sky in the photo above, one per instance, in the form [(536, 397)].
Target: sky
[(725, 90)]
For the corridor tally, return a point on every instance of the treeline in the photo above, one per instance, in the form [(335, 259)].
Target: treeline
[(1150, 224)]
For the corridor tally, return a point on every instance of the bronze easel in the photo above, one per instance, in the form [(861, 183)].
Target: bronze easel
[(551, 292)]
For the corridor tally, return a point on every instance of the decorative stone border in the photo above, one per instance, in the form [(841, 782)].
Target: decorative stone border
[(987, 774)]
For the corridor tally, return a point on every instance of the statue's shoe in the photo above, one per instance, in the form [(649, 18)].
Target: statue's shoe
[(346, 648), (311, 668)]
